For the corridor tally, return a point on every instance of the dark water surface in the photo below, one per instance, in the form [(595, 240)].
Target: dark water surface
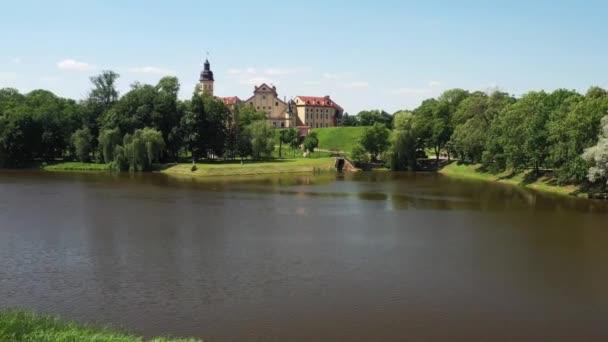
[(366, 257)]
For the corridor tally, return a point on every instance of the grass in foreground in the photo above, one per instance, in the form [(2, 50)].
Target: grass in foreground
[(340, 138), (76, 166), (541, 184), (21, 326), (299, 165)]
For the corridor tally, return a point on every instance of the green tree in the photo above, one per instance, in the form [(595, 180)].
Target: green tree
[(403, 143), (597, 156), (109, 139), (375, 139), (287, 136), (370, 117), (359, 155), (262, 142), (311, 142), (82, 142), (142, 148)]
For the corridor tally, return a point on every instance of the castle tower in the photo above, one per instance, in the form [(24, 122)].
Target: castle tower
[(206, 80)]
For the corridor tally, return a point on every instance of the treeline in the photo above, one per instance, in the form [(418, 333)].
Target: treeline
[(540, 132), (148, 124)]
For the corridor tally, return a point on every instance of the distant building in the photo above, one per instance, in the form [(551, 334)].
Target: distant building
[(317, 112), (206, 80), (266, 99), (231, 101), (303, 112)]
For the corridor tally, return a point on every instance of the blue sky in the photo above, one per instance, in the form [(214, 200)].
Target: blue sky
[(365, 54)]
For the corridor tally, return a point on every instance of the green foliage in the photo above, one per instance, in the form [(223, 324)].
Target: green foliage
[(597, 156), (262, 143), (370, 117), (288, 137), (108, 140), (20, 326), (404, 143), (375, 139), (359, 155), (141, 149), (82, 143), (339, 138), (311, 142)]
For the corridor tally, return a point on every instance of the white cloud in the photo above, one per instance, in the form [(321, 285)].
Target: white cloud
[(16, 60), (151, 70), (279, 71), (257, 81), (312, 83), (435, 84), (236, 71), (49, 78), (73, 65), (356, 84), (337, 76), (411, 91), (7, 76)]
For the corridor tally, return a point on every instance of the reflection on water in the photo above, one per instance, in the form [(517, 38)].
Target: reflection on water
[(358, 257)]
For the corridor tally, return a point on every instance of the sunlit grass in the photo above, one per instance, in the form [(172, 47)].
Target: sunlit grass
[(277, 166), (339, 138), (474, 172), (21, 326), (76, 166)]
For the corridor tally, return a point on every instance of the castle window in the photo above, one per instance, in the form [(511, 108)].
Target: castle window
[(282, 124), (276, 104)]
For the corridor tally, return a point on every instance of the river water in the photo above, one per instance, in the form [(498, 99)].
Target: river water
[(327, 257)]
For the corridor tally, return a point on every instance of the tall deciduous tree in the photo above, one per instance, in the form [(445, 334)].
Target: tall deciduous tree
[(375, 139)]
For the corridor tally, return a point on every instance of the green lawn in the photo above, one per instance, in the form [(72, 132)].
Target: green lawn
[(544, 184), (340, 138), (277, 166), (20, 326), (76, 166)]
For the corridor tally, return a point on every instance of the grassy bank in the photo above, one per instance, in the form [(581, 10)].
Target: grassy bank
[(76, 166), (298, 165), (20, 326), (545, 184), (339, 138)]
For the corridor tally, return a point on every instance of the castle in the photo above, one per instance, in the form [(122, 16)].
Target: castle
[(303, 112)]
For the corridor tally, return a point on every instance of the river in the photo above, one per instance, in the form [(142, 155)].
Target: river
[(327, 257)]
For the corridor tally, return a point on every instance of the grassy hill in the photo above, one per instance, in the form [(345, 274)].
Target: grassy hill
[(341, 138)]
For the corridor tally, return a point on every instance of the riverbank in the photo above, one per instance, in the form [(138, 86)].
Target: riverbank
[(76, 166), (228, 168), (544, 184), (22, 326), (277, 166)]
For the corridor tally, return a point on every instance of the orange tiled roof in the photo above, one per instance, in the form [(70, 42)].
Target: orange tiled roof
[(319, 101), (230, 100)]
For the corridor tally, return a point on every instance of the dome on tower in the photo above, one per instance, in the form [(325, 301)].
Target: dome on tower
[(206, 74)]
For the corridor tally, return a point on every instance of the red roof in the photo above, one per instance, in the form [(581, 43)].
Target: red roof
[(319, 101), (230, 100)]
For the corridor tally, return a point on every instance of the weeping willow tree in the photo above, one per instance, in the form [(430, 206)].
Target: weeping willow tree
[(597, 156), (139, 151)]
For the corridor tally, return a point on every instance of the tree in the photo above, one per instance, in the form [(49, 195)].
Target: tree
[(359, 155), (349, 120), (375, 139), (262, 142), (370, 117), (109, 139), (141, 149), (311, 142), (82, 142), (287, 136), (597, 156), (403, 143)]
